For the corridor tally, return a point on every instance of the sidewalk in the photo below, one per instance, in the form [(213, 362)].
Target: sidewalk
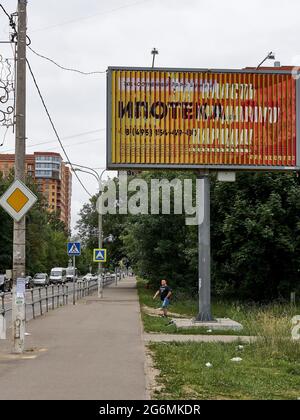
[(94, 351), (181, 338)]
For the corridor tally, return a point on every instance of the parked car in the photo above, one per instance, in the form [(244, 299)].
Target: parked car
[(41, 279), (90, 277), (5, 284), (58, 275), (87, 277), (28, 282)]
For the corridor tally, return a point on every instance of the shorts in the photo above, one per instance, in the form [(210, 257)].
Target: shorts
[(165, 303)]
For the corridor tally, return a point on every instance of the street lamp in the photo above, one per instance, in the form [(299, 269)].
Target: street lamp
[(91, 171), (270, 56), (154, 52)]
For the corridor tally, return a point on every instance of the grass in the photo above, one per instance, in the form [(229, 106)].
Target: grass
[(270, 367), (260, 376), (163, 326), (256, 319)]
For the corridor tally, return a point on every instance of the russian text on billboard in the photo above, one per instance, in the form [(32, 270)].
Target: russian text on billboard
[(193, 118)]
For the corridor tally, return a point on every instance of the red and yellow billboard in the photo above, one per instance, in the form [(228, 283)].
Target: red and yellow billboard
[(166, 118)]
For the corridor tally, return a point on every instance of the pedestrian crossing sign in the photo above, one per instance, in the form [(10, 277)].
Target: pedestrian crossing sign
[(74, 249), (99, 255)]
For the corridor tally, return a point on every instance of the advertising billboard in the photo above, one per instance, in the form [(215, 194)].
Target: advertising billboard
[(214, 119)]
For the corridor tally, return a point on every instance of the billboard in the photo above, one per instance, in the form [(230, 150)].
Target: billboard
[(214, 119)]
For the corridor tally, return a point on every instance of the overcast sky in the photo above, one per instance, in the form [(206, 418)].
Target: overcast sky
[(93, 34)]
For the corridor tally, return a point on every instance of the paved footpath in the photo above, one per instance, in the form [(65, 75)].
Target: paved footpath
[(181, 338), (94, 350)]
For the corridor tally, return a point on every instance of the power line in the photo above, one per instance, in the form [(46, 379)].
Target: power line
[(54, 128), (65, 68), (90, 16), (49, 142), (79, 144), (2, 7), (66, 138), (12, 24)]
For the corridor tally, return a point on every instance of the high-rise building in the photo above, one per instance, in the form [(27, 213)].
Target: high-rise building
[(53, 179)]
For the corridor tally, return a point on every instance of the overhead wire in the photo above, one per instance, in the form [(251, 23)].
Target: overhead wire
[(90, 16), (88, 73), (7, 14), (54, 128), (62, 138), (13, 26)]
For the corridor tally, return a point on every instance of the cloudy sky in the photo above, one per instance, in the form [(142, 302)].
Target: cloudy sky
[(91, 35)]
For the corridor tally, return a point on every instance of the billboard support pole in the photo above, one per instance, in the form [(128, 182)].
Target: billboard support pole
[(204, 250)]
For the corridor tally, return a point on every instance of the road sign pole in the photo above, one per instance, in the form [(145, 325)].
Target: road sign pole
[(204, 251), (74, 295), (100, 277), (74, 249), (19, 241)]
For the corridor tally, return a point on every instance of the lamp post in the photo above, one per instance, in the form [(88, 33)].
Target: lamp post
[(154, 52), (270, 56), (91, 171)]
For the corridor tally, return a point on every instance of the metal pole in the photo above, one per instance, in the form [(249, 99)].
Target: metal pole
[(19, 252), (74, 298), (204, 252), (99, 179), (154, 52), (293, 298), (100, 278)]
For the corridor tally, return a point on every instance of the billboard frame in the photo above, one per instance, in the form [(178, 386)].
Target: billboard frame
[(184, 167)]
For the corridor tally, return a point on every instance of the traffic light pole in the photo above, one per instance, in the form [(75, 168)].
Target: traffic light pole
[(19, 240)]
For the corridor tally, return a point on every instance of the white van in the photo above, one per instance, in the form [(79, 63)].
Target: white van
[(58, 275), (71, 274)]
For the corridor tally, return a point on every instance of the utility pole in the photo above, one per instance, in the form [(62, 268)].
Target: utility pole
[(19, 251)]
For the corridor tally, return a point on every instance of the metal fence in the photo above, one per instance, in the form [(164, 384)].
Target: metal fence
[(43, 299)]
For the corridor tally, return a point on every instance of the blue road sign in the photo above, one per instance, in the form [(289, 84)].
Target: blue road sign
[(99, 255), (74, 249)]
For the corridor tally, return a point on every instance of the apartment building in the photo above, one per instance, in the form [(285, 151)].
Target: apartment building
[(53, 179)]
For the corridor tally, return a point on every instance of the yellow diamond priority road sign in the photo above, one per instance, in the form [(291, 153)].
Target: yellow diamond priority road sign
[(17, 200)]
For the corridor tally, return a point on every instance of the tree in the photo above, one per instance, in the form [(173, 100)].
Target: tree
[(6, 229), (255, 233), (46, 235), (88, 232)]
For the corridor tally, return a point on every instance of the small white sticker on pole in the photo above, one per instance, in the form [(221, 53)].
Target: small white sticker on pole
[(20, 291)]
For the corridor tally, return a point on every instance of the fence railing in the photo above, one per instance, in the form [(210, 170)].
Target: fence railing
[(43, 299)]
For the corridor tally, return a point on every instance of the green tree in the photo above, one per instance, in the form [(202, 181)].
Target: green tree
[(255, 233), (88, 232), (46, 235)]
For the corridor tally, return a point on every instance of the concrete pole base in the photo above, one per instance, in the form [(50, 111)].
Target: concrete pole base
[(204, 317)]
